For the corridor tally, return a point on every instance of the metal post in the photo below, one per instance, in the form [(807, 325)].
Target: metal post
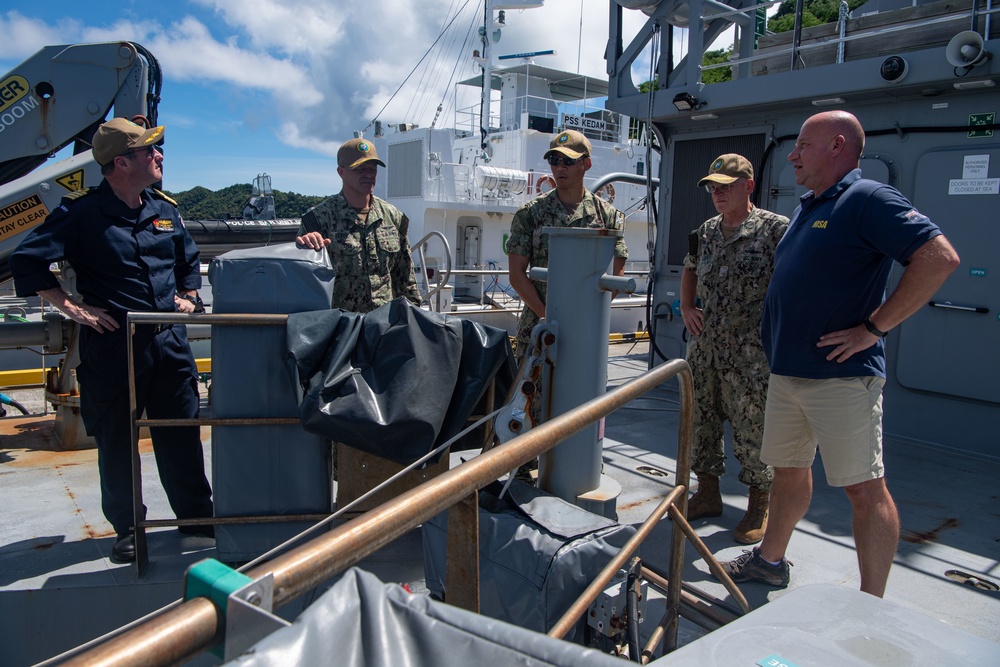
[(462, 568), (138, 508), (578, 307), (796, 34), (842, 17)]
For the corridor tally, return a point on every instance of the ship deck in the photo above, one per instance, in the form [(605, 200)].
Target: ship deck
[(58, 587)]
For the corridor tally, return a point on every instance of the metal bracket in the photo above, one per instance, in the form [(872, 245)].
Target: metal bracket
[(245, 603), (515, 418), (607, 614)]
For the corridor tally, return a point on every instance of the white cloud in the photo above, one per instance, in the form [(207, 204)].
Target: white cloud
[(316, 70), (23, 36), (290, 26), (188, 52), (292, 135)]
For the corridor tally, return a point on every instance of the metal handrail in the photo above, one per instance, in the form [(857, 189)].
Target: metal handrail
[(185, 630), (796, 48), (443, 276), (826, 43), (134, 318)]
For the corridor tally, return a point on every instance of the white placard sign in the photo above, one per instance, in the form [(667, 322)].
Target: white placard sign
[(974, 186), (976, 167), (583, 123)]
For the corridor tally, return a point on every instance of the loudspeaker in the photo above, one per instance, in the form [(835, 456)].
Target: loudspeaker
[(966, 49)]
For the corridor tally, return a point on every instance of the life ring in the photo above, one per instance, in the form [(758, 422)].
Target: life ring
[(606, 192), (541, 181)]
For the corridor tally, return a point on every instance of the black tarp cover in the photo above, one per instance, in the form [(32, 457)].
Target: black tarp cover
[(394, 382)]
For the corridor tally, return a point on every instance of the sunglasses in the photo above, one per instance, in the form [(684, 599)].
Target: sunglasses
[(565, 161), (712, 188), (148, 150)]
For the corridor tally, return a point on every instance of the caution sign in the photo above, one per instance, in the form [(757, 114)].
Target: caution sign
[(21, 216), (72, 181), (981, 120)]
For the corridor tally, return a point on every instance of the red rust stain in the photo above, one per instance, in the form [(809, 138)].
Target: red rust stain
[(928, 535), (639, 503), (31, 442), (94, 534)]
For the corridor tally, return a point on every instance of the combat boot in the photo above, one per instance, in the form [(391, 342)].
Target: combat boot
[(707, 502), (751, 529)]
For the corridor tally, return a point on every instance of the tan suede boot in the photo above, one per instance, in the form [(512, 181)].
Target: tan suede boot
[(707, 502), (751, 529)]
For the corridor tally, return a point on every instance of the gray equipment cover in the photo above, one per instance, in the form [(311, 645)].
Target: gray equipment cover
[(826, 624), (361, 622), (263, 469), (394, 382), (537, 554)]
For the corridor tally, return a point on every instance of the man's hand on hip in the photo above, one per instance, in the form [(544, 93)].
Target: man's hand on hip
[(848, 342)]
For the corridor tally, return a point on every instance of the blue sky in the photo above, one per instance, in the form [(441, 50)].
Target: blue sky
[(275, 86)]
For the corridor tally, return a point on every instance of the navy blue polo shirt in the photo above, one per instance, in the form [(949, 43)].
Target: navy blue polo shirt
[(830, 272), (125, 259)]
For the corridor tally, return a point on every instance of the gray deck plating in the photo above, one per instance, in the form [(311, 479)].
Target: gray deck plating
[(58, 588)]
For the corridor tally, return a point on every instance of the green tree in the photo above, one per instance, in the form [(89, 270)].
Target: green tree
[(718, 74), (814, 12), (708, 76), (200, 203)]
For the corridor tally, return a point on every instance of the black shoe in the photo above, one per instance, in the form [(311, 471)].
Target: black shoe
[(200, 531), (124, 549), (749, 566)]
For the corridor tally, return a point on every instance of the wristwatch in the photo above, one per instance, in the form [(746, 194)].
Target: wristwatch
[(199, 307), (872, 329)]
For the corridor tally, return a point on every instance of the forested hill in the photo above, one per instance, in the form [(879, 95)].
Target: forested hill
[(202, 204)]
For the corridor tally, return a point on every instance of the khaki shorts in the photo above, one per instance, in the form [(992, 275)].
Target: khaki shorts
[(843, 416)]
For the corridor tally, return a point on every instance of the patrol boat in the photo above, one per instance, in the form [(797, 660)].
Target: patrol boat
[(925, 90)]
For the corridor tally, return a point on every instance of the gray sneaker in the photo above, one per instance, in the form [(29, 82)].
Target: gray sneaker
[(749, 566)]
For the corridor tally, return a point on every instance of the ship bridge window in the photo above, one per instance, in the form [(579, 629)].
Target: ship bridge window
[(541, 124)]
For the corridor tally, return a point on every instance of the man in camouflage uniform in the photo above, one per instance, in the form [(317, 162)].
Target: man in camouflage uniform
[(728, 268), (570, 204), (365, 236)]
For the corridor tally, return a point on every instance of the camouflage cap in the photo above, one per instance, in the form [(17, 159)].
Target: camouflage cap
[(570, 143), (727, 168), (356, 152), (119, 136)]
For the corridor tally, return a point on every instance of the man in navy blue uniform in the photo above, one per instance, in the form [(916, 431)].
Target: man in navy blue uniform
[(130, 251), (825, 318)]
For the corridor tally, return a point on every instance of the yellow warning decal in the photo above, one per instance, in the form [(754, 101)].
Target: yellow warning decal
[(72, 181), (21, 216), (12, 89)]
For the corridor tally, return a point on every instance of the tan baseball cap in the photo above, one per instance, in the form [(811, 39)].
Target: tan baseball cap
[(356, 152), (119, 136), (570, 143), (727, 168)]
